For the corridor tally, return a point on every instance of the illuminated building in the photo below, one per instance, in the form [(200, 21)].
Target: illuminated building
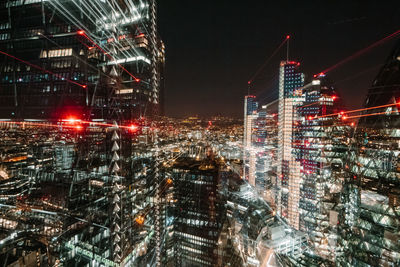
[(320, 144), (250, 107), (370, 219), (62, 58), (250, 115), (270, 153), (262, 153), (196, 214), (290, 79), (89, 192)]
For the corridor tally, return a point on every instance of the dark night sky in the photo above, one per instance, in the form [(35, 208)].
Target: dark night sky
[(213, 47)]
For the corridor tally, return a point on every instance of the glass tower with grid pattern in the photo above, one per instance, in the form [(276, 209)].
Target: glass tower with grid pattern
[(370, 221)]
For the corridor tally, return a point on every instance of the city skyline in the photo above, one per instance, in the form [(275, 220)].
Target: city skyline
[(222, 44), (169, 134)]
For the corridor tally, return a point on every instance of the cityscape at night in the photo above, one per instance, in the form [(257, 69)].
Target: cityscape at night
[(190, 134)]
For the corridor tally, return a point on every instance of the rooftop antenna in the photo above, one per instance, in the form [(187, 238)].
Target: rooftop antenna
[(287, 48)]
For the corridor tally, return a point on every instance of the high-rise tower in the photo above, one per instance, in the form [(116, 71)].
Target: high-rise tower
[(63, 58), (320, 143), (290, 79), (371, 216), (250, 115)]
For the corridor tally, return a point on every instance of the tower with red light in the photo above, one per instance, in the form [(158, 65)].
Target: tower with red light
[(290, 80), (318, 142)]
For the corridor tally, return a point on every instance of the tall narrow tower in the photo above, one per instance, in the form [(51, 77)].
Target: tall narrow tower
[(290, 79)]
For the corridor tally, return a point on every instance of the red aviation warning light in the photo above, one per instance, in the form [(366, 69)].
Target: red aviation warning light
[(81, 32), (72, 120), (287, 36), (133, 128), (74, 123), (334, 98)]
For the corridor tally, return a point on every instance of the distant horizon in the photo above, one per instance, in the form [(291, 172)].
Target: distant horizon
[(212, 52)]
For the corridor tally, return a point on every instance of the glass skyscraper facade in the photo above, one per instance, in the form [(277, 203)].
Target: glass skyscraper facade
[(60, 59), (290, 79), (370, 219)]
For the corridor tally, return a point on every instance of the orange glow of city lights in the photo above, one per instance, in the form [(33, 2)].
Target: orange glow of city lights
[(139, 220)]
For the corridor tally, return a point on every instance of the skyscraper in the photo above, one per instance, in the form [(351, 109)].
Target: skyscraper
[(62, 59), (250, 107), (320, 142), (94, 61), (250, 115), (196, 215), (290, 79), (370, 219)]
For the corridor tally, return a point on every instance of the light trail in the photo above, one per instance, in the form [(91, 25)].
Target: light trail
[(316, 102), (44, 125), (371, 114), (357, 110), (358, 74), (75, 56), (270, 84), (101, 12), (131, 127), (73, 124), (359, 53), (268, 60), (82, 33), (42, 69)]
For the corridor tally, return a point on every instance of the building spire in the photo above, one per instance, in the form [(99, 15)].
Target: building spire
[(287, 48)]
